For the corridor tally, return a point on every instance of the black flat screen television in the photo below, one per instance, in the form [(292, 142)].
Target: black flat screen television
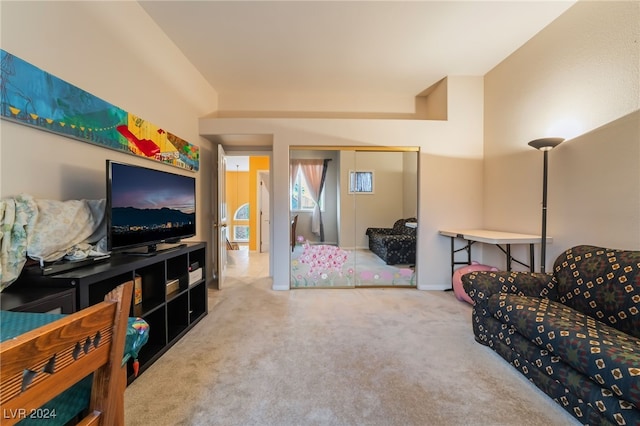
[(148, 207)]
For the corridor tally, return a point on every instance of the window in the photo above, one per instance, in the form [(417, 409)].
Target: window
[(300, 199), (240, 233), (242, 213)]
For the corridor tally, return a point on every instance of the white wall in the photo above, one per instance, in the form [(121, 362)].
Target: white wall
[(579, 78), (114, 51), (576, 75), (449, 178), (580, 70), (381, 208), (410, 184)]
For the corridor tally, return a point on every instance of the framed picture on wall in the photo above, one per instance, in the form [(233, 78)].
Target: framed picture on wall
[(361, 182)]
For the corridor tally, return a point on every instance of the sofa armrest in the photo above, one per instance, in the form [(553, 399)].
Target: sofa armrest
[(383, 231), (481, 285)]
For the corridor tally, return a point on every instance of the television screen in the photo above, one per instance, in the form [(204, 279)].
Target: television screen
[(146, 207)]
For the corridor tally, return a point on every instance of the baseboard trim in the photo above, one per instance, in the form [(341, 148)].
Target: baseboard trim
[(436, 287)]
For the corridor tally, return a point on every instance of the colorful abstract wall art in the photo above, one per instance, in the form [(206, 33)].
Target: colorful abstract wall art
[(33, 97)]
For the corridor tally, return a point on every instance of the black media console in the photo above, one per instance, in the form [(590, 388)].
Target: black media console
[(173, 296)]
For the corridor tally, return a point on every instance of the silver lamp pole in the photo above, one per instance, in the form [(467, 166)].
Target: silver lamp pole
[(545, 145)]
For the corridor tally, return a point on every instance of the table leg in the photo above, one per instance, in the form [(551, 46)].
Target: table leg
[(531, 258), (453, 256), (509, 257), (467, 247)]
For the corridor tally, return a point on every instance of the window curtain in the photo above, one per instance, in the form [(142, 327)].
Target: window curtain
[(361, 182), (312, 171), (294, 166)]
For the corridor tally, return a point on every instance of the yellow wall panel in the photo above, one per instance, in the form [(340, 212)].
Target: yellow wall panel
[(255, 164)]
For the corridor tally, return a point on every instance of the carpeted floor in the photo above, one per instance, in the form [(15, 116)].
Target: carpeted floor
[(334, 357)]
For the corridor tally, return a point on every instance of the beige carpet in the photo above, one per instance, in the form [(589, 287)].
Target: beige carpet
[(334, 357)]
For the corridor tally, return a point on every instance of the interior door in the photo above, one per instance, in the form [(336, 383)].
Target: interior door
[(221, 224), (263, 205)]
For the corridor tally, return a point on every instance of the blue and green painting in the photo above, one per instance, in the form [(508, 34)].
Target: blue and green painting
[(36, 98)]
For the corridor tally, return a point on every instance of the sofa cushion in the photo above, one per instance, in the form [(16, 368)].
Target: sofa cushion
[(602, 283), (567, 386), (601, 410), (608, 356)]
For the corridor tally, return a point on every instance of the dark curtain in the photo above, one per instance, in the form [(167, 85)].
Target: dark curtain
[(325, 165)]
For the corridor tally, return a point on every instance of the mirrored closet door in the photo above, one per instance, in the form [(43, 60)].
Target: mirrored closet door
[(361, 228)]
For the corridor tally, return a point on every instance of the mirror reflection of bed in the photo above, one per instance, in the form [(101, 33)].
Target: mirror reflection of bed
[(330, 247)]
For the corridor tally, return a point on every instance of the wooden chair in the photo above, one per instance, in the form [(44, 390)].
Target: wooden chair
[(42, 363)]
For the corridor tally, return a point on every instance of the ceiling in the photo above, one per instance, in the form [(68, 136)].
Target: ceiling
[(237, 163), (353, 48)]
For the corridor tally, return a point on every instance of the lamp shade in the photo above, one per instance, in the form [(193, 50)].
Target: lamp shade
[(545, 144)]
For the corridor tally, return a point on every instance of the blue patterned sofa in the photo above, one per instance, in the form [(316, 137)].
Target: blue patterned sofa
[(395, 245), (574, 333)]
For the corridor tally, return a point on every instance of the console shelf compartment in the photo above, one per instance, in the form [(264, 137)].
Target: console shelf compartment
[(170, 316)]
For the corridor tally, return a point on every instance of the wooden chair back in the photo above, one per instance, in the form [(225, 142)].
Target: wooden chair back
[(42, 363)]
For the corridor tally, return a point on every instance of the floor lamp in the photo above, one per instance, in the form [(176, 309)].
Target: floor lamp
[(545, 145)]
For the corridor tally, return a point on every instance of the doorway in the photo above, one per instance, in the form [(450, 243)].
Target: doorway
[(238, 201), (246, 198)]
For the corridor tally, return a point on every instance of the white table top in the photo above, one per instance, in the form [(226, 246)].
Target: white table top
[(494, 237)]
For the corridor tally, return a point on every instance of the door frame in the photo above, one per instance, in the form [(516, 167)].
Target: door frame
[(262, 175), (219, 224), (249, 152)]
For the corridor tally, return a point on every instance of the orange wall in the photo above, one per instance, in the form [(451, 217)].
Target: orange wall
[(237, 194), (255, 164)]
